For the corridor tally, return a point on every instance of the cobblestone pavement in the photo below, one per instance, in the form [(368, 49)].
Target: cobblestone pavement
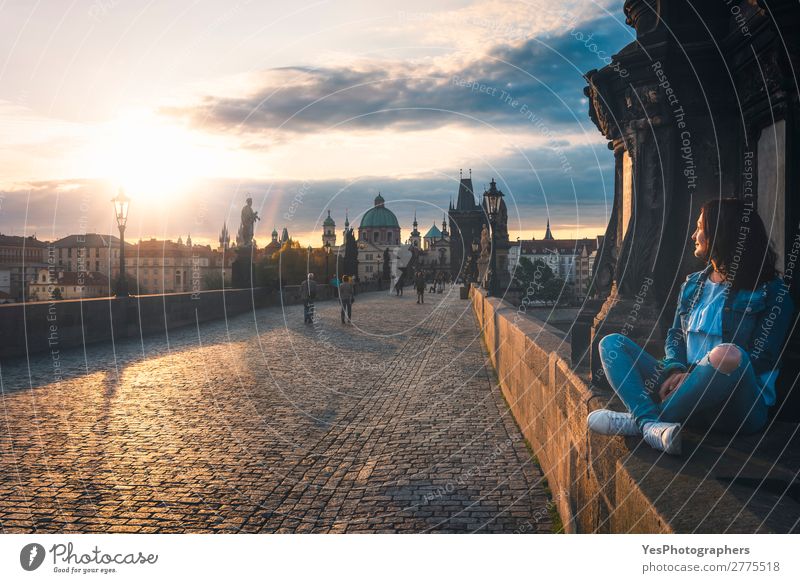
[(265, 424)]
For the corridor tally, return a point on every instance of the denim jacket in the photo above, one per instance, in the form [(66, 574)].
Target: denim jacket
[(756, 321)]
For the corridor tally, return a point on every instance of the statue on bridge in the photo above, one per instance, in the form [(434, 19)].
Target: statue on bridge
[(242, 268), (483, 260), (485, 243), (244, 237)]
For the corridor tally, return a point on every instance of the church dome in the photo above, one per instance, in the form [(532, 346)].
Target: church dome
[(379, 216), (328, 222)]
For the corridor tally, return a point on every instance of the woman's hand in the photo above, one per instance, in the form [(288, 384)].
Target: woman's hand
[(669, 386)]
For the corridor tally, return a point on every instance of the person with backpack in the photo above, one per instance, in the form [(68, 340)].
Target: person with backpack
[(419, 283), (308, 293), (346, 299)]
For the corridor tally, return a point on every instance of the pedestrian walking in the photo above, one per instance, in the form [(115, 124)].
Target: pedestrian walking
[(308, 293), (346, 298), (419, 283)]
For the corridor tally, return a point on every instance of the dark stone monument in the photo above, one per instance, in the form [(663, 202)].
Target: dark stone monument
[(704, 104), (243, 268)]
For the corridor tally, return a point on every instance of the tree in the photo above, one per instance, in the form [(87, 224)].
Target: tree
[(294, 263), (555, 291), (350, 266), (532, 274), (212, 280), (267, 272), (539, 283)]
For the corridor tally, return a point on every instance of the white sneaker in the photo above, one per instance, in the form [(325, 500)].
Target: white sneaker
[(610, 422), (664, 437)]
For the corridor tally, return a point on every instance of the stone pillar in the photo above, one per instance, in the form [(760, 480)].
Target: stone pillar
[(242, 268), (653, 105)]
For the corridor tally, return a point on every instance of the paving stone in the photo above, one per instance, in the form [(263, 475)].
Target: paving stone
[(265, 424)]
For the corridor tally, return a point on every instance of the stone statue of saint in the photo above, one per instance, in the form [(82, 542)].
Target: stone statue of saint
[(249, 218), (485, 243)]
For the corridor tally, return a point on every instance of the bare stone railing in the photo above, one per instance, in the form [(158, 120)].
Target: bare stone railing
[(47, 326)]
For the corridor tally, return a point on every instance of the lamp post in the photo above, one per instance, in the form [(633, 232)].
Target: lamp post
[(327, 255), (121, 203), (493, 198)]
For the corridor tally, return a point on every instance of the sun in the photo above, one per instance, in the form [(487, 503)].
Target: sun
[(151, 157)]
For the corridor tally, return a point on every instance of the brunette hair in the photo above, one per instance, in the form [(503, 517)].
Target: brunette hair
[(738, 243)]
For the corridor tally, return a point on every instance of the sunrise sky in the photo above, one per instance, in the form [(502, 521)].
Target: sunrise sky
[(190, 105)]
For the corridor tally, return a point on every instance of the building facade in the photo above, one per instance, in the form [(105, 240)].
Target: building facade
[(68, 285), (165, 266), (89, 252), (569, 259), (21, 258)]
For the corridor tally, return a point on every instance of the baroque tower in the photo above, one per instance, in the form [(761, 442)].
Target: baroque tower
[(329, 231)]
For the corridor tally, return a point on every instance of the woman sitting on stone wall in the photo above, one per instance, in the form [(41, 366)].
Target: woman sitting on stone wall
[(724, 346)]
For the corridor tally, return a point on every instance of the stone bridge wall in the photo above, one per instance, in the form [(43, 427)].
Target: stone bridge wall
[(742, 484), (43, 326), (550, 403)]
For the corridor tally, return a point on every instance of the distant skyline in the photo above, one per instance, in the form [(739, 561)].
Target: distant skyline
[(191, 106)]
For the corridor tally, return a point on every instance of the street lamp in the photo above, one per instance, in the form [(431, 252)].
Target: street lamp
[(493, 198), (327, 255), (121, 203)]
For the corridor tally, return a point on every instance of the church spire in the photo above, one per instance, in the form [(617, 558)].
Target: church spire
[(548, 235)]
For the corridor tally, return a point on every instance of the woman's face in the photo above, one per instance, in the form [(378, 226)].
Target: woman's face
[(700, 239)]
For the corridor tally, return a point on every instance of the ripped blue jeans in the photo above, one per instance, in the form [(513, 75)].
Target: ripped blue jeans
[(707, 398)]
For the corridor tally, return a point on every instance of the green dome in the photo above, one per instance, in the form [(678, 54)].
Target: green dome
[(379, 216), (328, 222)]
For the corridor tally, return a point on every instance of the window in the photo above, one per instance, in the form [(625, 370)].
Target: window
[(388, 237), (375, 236)]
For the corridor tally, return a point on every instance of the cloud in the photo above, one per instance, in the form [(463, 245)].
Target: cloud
[(301, 121), (542, 75)]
